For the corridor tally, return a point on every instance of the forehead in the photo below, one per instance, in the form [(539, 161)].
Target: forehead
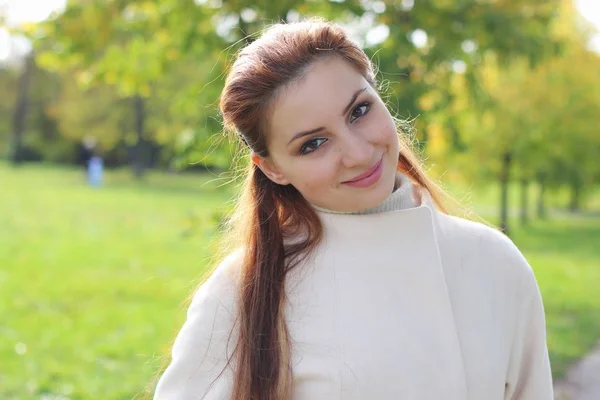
[(322, 92)]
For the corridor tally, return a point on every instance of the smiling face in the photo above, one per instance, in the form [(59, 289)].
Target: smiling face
[(332, 138)]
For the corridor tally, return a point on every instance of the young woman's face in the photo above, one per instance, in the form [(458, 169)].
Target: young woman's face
[(333, 138)]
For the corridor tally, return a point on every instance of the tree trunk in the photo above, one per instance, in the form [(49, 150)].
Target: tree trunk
[(138, 150), (541, 205), (524, 205), (504, 179), (576, 186), (20, 111)]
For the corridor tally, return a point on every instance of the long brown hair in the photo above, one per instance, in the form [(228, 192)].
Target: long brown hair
[(267, 213)]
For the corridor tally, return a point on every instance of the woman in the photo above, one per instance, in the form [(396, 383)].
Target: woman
[(349, 281)]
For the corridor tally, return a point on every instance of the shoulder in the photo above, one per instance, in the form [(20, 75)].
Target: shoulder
[(220, 288), (467, 233), (203, 346), (210, 316), (480, 249)]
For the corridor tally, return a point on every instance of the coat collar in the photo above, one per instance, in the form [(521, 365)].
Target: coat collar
[(397, 252)]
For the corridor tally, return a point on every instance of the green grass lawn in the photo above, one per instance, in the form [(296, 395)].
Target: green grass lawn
[(93, 282)]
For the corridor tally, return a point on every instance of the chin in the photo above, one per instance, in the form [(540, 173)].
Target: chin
[(381, 191)]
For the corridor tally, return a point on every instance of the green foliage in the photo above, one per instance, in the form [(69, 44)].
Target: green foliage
[(545, 117), (176, 52), (42, 138), (175, 55)]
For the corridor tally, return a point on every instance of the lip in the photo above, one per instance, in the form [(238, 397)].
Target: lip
[(368, 177)]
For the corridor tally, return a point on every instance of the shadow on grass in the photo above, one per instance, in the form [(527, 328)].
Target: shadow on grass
[(579, 237)]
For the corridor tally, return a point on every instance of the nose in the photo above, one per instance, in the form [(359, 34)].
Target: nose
[(356, 149)]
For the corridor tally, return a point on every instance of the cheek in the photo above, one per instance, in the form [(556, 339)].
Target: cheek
[(385, 128), (314, 177)]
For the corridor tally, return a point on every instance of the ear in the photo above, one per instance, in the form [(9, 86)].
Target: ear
[(267, 166)]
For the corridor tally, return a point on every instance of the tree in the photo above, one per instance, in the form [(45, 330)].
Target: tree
[(135, 45), (536, 121), (564, 110), (128, 45), (20, 110)]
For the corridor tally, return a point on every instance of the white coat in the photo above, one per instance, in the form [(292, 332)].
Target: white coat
[(403, 304)]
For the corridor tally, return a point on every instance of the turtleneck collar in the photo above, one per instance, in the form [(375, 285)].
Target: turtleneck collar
[(402, 197)]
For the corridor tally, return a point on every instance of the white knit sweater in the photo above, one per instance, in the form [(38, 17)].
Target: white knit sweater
[(401, 302)]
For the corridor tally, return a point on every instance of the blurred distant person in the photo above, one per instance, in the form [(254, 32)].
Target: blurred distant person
[(95, 171)]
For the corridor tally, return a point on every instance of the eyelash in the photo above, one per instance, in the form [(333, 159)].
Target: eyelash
[(363, 104)]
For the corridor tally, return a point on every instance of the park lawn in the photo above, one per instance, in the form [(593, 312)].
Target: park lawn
[(93, 282), (565, 255)]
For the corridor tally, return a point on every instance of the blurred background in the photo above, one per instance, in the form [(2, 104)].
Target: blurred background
[(115, 176)]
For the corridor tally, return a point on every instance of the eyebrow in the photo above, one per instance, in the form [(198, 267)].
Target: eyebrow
[(310, 132), (353, 99)]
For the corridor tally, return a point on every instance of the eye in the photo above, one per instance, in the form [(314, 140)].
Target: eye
[(312, 145), (359, 111)]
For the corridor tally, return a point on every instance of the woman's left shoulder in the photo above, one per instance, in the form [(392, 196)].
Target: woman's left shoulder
[(483, 249)]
